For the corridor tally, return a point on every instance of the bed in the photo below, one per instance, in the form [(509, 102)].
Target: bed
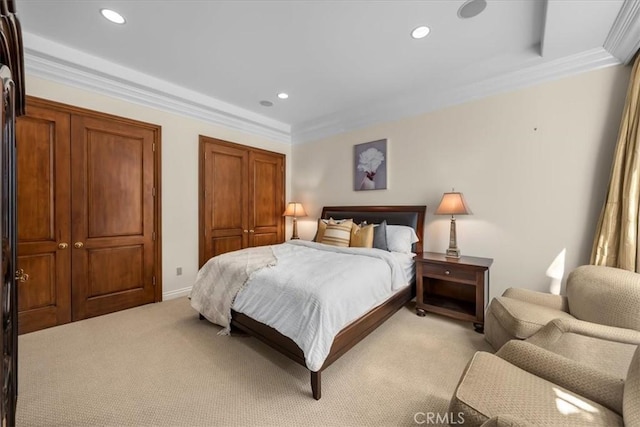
[(356, 330)]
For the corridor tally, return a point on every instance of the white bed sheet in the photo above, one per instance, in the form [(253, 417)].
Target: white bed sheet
[(315, 290), (407, 263)]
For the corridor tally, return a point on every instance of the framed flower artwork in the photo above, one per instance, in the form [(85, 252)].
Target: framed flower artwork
[(370, 166)]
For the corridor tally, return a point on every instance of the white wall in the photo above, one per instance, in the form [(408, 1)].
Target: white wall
[(179, 172), (533, 165)]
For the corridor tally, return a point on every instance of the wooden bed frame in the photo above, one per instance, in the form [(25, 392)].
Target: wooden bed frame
[(360, 328)]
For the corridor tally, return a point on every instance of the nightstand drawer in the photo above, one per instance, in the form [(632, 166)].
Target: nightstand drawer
[(448, 272)]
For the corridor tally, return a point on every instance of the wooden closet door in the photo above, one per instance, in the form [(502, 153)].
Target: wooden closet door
[(224, 216), (43, 179), (266, 195), (112, 182)]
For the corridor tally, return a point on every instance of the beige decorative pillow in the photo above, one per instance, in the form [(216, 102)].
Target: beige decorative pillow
[(322, 226), (362, 236), (337, 234)]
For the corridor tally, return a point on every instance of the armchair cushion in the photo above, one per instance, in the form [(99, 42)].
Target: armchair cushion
[(578, 377), (606, 348)]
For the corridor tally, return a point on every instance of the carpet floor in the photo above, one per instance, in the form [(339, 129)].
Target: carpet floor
[(158, 365)]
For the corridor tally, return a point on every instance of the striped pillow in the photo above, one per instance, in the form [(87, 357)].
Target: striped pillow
[(322, 225), (337, 234)]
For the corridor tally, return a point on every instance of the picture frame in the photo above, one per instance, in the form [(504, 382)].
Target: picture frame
[(370, 166)]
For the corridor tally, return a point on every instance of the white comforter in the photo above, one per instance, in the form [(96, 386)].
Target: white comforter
[(315, 290)]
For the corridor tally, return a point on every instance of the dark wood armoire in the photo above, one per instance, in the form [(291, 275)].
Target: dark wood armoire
[(12, 105)]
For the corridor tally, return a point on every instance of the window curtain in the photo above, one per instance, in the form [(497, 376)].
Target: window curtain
[(616, 238)]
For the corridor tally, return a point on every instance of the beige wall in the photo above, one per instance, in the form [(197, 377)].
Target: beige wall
[(179, 172), (533, 165)]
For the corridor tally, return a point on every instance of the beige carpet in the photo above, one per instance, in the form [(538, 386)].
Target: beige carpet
[(159, 365)]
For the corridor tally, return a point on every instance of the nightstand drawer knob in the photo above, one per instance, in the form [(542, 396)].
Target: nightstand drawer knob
[(447, 272)]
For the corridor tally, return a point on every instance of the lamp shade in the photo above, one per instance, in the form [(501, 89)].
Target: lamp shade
[(295, 210), (453, 204)]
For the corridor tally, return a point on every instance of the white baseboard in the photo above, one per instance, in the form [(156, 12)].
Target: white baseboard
[(183, 292)]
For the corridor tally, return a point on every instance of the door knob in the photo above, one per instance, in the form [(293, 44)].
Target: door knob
[(245, 231), (21, 276), (63, 245), (252, 231), (78, 245)]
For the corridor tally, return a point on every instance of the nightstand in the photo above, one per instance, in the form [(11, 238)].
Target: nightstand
[(453, 287)]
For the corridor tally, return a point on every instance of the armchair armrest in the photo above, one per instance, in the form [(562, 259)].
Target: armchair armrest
[(571, 375), (557, 302)]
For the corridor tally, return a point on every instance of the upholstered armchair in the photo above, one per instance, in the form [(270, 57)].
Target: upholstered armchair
[(601, 301)]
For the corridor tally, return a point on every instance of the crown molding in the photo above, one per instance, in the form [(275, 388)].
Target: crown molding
[(623, 41), (450, 94), (61, 64)]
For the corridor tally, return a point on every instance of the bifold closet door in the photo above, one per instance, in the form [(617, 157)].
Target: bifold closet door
[(43, 182), (112, 211)]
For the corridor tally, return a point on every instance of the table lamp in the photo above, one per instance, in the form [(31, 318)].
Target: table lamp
[(294, 210), (453, 204)]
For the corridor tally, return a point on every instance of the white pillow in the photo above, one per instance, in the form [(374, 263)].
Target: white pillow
[(400, 238)]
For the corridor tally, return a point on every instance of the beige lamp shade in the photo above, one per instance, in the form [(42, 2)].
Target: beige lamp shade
[(295, 210), (453, 204)]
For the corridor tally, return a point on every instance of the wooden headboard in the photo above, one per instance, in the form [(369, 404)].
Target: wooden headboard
[(413, 216)]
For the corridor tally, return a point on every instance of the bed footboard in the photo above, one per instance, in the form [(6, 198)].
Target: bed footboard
[(345, 340)]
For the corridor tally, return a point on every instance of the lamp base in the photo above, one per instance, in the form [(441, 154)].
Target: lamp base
[(452, 253), (294, 236)]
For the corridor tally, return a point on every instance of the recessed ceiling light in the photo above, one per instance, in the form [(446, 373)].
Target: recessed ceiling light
[(420, 32), (112, 16), (471, 8), (283, 95), (266, 103)]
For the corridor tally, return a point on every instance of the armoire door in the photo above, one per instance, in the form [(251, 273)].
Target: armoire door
[(112, 210), (43, 180), (223, 179), (266, 199)]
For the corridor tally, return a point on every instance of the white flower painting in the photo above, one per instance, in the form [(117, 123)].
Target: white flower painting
[(370, 166)]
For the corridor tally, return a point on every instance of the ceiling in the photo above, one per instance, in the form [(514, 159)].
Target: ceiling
[(345, 64)]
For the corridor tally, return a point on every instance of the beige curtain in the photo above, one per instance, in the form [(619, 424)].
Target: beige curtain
[(616, 239)]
